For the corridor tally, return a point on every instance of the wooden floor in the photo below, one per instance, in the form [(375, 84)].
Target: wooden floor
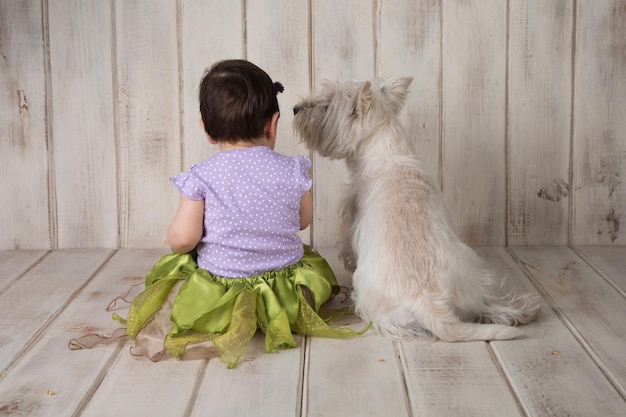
[(571, 362)]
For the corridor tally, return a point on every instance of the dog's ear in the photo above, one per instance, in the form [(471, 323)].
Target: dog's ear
[(395, 89), (363, 99)]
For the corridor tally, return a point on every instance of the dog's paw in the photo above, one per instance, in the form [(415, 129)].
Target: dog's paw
[(348, 262)]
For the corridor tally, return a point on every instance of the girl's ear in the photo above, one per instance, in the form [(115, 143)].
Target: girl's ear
[(272, 126), (211, 140)]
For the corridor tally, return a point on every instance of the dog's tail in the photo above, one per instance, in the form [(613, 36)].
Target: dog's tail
[(441, 320), (442, 324), (465, 332)]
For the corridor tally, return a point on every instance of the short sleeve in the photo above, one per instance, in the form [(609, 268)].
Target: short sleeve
[(303, 165), (189, 185)]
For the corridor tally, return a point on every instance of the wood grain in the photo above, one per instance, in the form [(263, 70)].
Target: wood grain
[(409, 44), (128, 374), (15, 263), (40, 294), (210, 31), (609, 261), (548, 369), (278, 41), (590, 307), (342, 49), (339, 382), (567, 364), (64, 380), (515, 108), (449, 379), (261, 384), (539, 119), (599, 124), (82, 124), (473, 79), (149, 147), (24, 165)]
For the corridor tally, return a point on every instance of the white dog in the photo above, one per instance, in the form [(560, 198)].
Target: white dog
[(411, 271)]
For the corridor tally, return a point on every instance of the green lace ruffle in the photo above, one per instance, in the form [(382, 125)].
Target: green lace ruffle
[(228, 311)]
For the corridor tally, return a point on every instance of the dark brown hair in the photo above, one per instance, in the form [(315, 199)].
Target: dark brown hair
[(237, 99)]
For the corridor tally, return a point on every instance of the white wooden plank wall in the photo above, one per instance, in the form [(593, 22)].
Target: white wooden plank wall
[(24, 152), (599, 156), (474, 82), (540, 81), (81, 132), (516, 109)]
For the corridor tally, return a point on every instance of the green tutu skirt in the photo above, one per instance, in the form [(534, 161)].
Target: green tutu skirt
[(186, 311)]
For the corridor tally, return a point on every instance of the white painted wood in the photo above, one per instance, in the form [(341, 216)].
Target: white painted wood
[(451, 379), (610, 261), (262, 384), (354, 377), (23, 140), (210, 31), (49, 379), (539, 118), (127, 378), (331, 254), (96, 122), (277, 41), (342, 48), (474, 79), (13, 263), (548, 369), (593, 311), (82, 138), (149, 149), (599, 125), (409, 44), (130, 382), (40, 294)]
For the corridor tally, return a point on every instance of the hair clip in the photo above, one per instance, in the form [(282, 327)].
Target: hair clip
[(279, 87)]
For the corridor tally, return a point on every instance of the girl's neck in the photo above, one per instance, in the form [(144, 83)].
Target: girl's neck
[(245, 144)]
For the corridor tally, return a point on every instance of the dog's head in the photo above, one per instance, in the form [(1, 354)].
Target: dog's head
[(335, 121)]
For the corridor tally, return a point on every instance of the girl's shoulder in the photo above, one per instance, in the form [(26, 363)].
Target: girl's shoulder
[(229, 160), (290, 159)]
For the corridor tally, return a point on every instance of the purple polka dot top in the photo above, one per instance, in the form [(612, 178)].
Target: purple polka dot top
[(251, 209)]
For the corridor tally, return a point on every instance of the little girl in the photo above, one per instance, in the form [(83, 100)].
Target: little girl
[(237, 262)]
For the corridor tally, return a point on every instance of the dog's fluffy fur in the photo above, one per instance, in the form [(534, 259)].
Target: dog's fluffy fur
[(411, 271)]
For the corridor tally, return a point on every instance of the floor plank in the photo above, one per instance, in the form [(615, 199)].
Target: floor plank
[(144, 388), (34, 299), (51, 380), (453, 379), (130, 379), (549, 370), (262, 384), (567, 364), (609, 261), (587, 302), (354, 377), (15, 263)]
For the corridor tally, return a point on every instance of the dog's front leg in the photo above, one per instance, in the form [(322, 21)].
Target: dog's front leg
[(348, 214)]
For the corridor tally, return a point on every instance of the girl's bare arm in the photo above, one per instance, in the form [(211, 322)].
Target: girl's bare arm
[(187, 226), (306, 210)]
